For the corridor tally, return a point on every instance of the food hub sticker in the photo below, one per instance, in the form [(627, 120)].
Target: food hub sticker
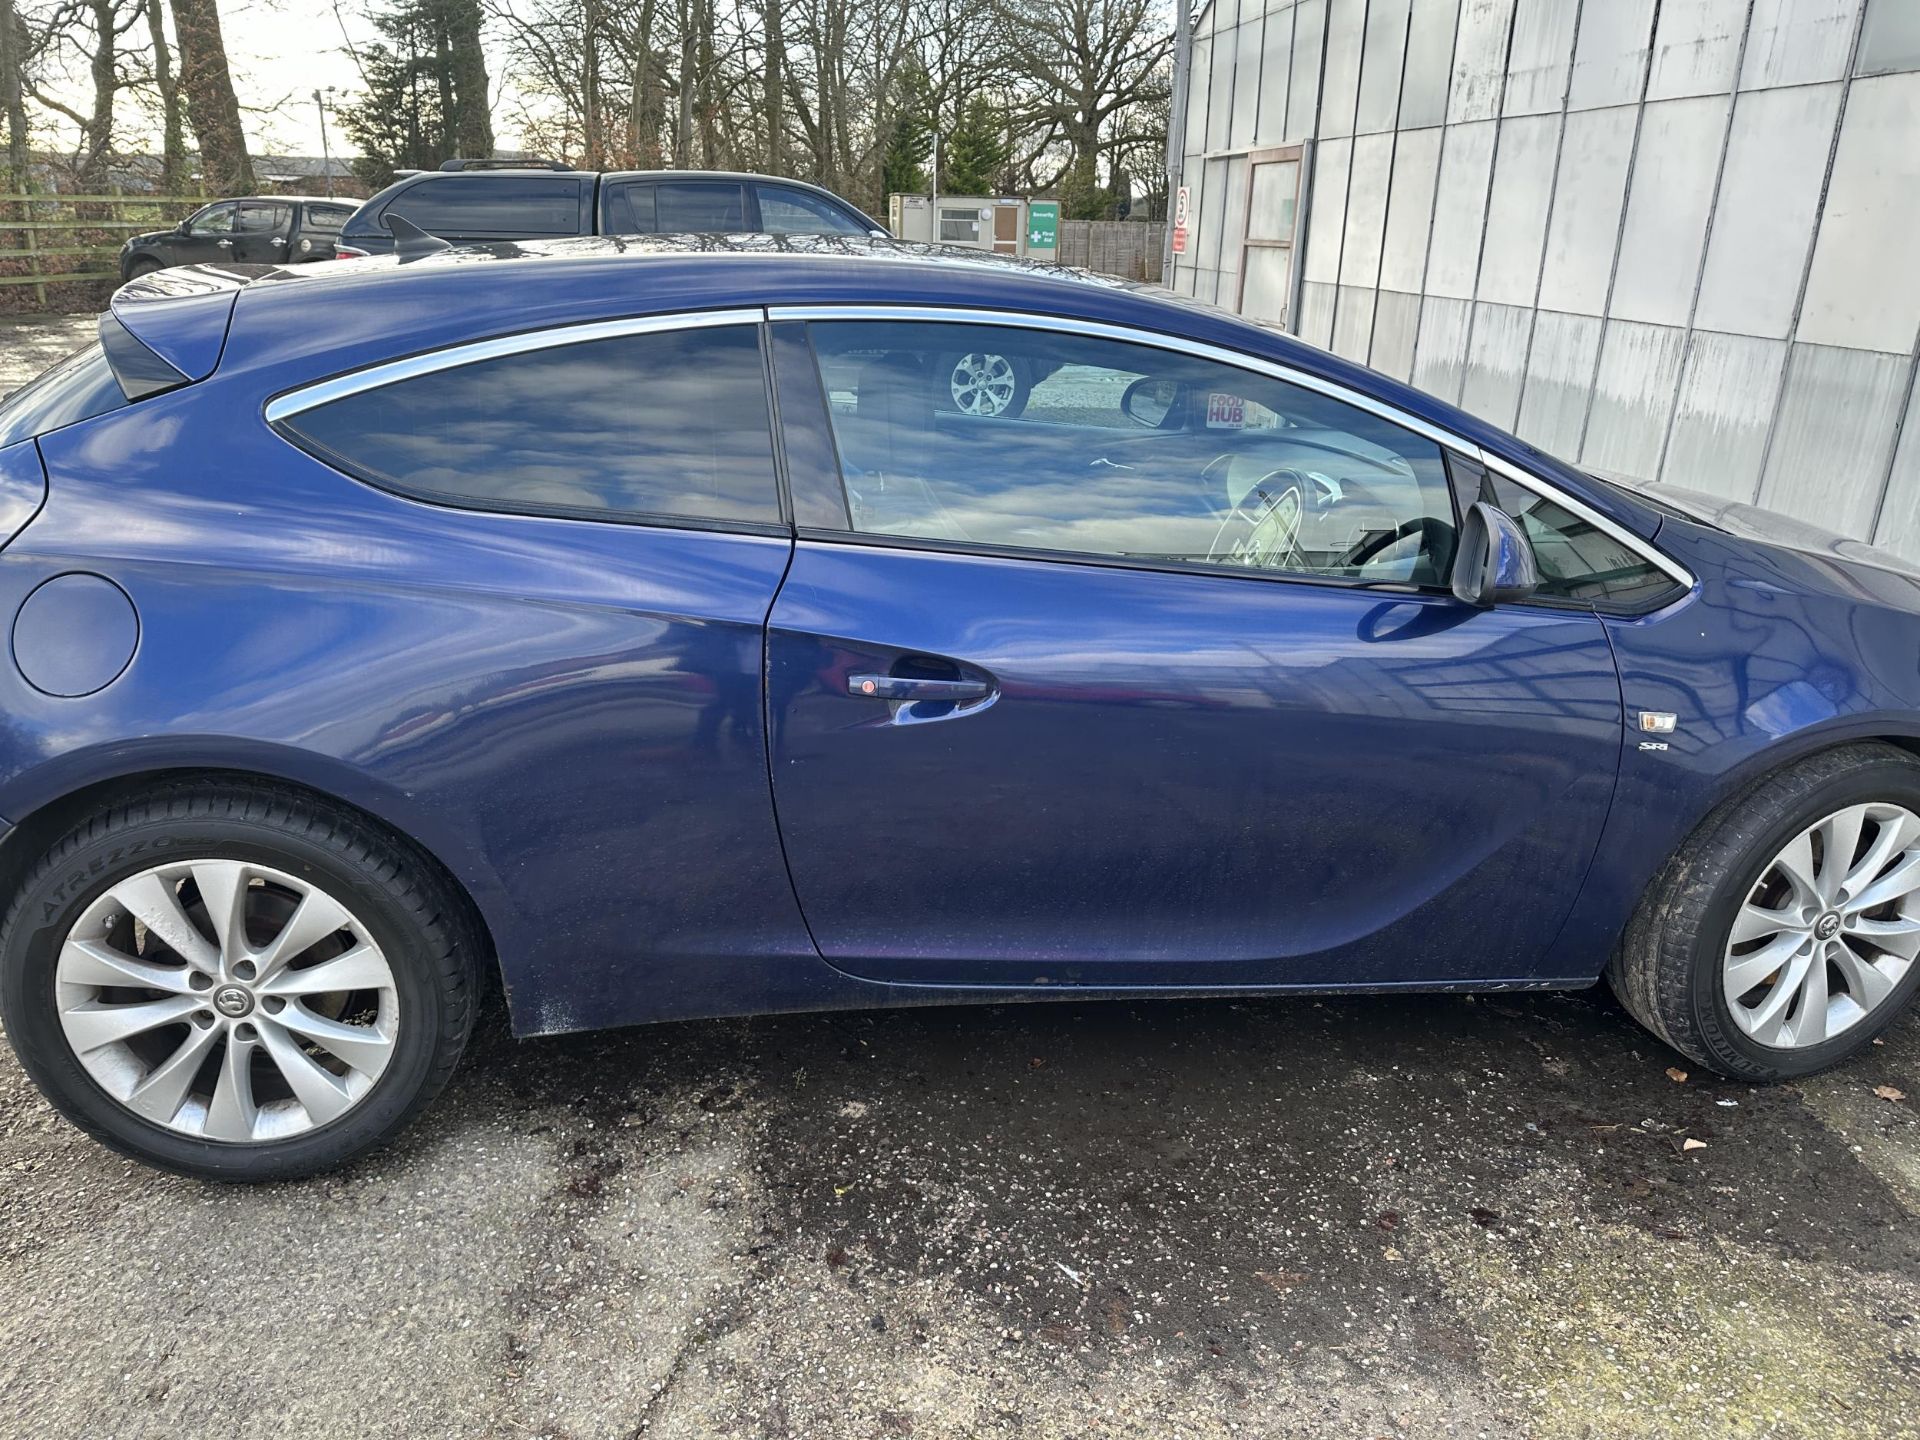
[(1226, 412)]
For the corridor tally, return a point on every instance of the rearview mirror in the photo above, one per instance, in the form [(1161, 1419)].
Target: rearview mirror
[(1149, 401), (1495, 563)]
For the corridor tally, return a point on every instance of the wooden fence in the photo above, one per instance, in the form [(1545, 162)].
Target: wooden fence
[(1130, 249), (69, 245)]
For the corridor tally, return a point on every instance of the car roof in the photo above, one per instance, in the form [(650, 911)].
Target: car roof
[(347, 200), (714, 175)]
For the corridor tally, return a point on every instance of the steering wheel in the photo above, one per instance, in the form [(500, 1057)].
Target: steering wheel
[(1269, 517), (1433, 533)]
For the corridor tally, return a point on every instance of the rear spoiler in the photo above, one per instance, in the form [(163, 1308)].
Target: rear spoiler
[(167, 329)]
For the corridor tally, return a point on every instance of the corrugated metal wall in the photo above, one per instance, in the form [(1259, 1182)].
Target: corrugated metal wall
[(1672, 238)]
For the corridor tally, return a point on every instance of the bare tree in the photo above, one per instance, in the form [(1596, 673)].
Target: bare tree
[(212, 108), (14, 46), (1083, 63), (825, 88), (173, 137)]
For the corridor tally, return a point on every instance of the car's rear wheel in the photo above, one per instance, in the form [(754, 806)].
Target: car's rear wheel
[(235, 982), (1783, 935), (981, 382)]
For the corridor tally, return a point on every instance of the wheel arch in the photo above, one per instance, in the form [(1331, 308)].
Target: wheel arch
[(41, 813)]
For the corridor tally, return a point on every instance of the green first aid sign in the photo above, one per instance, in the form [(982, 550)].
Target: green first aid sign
[(1043, 225)]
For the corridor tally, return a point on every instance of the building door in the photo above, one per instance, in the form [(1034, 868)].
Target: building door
[(1268, 275), (1006, 229)]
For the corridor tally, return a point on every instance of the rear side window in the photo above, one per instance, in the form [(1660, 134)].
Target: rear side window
[(78, 388), (795, 212), (698, 205), (503, 205), (630, 211), (670, 424), (327, 219)]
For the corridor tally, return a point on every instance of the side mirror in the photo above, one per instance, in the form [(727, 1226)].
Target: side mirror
[(1494, 563), (1150, 401)]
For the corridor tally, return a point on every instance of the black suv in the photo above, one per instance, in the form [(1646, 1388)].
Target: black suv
[(471, 204), (257, 229)]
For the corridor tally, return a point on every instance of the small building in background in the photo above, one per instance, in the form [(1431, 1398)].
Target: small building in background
[(1004, 225)]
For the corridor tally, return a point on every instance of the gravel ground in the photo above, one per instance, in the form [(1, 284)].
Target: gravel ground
[(1411, 1217)]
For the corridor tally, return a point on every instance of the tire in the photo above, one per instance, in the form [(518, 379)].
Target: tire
[(1679, 959), (402, 934), (981, 383), (142, 267)]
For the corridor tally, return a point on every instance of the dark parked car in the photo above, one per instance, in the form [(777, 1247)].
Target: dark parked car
[(620, 618), (476, 202), (479, 205), (256, 230)]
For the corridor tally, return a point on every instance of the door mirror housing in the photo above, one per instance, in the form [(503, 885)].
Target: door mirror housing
[(1495, 563), (1151, 401)]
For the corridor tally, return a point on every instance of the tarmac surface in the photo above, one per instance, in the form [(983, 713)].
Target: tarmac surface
[(1442, 1216)]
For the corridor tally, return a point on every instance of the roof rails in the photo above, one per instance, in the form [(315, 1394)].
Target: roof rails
[(503, 164)]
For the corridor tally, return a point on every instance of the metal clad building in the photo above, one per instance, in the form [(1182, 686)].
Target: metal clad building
[(1668, 238)]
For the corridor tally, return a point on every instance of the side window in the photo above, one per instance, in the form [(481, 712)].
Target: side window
[(214, 220), (481, 205), (326, 219), (264, 219), (631, 211), (1578, 561), (1031, 439), (698, 205), (960, 227), (784, 211), (672, 423)]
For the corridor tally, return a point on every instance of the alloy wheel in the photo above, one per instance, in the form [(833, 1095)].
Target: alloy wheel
[(1829, 930), (982, 384), (226, 1000)]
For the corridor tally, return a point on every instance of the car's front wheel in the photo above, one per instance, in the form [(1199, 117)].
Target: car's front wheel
[(1783, 935), (235, 982), (143, 266)]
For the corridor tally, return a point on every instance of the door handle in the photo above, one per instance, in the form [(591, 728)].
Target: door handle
[(908, 688)]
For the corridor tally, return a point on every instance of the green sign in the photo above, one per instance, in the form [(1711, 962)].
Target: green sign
[(1043, 225)]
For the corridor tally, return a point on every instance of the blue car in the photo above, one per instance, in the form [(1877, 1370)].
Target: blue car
[(661, 629)]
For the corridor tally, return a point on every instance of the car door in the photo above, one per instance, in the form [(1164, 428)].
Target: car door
[(318, 231), (206, 237), (1160, 682), (260, 232)]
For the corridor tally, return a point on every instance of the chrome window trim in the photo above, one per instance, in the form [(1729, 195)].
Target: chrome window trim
[(1275, 370), (321, 392), (1527, 480)]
